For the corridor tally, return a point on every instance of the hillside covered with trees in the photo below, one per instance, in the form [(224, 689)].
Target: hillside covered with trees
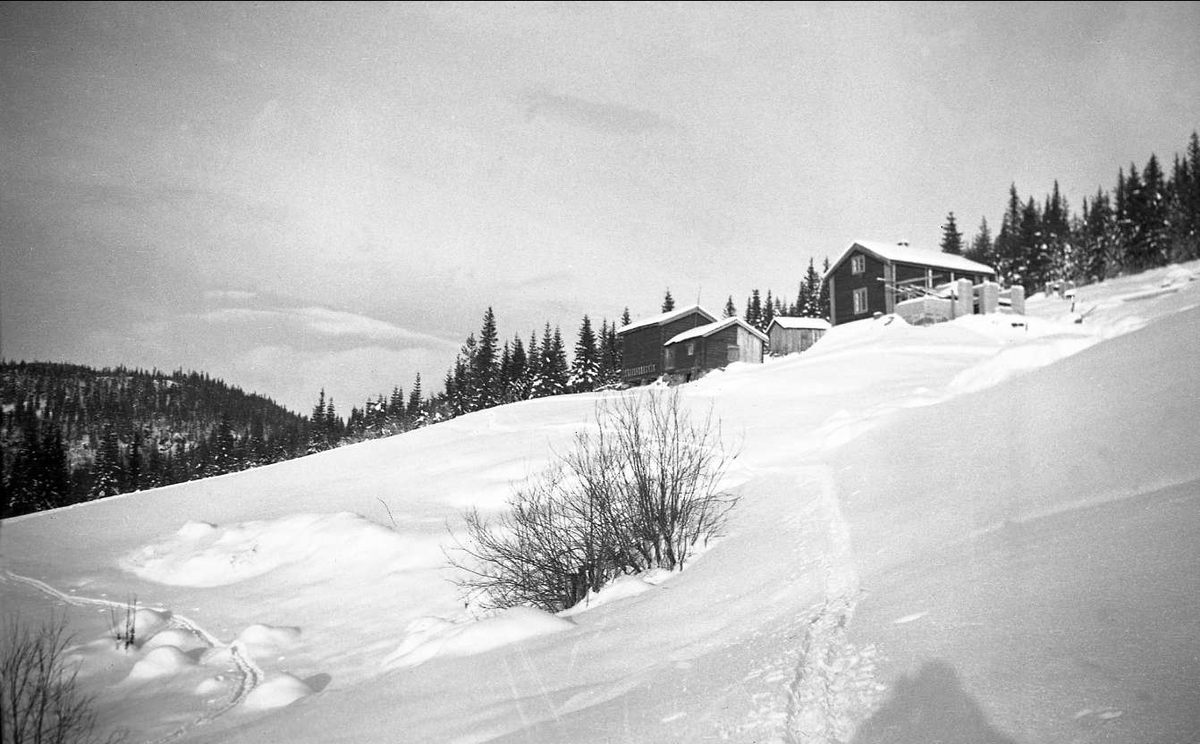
[(71, 433), (1150, 218)]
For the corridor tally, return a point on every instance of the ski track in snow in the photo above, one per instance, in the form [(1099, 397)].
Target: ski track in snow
[(834, 683), (250, 674)]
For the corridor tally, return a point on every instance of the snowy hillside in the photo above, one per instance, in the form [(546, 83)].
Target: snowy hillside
[(980, 531)]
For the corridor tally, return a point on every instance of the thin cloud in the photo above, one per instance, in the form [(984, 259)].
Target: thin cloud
[(322, 321), (604, 117), (229, 295)]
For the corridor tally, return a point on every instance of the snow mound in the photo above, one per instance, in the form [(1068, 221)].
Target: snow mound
[(184, 640), (858, 332), (196, 530), (203, 555), (1014, 360), (264, 639), (619, 588), (147, 622), (211, 685), (278, 691), (163, 661), (430, 638), (1178, 275)]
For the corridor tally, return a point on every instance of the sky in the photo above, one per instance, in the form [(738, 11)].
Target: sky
[(293, 197)]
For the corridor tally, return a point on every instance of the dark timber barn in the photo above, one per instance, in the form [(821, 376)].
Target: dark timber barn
[(865, 278), (692, 353), (643, 353)]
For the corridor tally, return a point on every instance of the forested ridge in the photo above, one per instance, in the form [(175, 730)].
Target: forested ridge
[(72, 433)]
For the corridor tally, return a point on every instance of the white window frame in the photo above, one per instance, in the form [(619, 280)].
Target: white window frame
[(860, 301), (858, 264)]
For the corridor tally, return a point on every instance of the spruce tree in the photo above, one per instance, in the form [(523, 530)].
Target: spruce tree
[(1154, 224), (754, 311), (317, 426), (668, 303), (552, 368), (414, 400), (518, 378), (1007, 246), (585, 366), (485, 366), (768, 313), (952, 239), (811, 292), (1131, 217), (561, 369), (610, 358), (396, 414), (1188, 196), (133, 471), (981, 245), (533, 370), (223, 447), (730, 308), (333, 426), (824, 309), (106, 468), (1029, 261), (466, 389)]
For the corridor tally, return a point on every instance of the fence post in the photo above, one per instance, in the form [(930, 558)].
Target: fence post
[(1018, 299), (989, 297), (964, 300)]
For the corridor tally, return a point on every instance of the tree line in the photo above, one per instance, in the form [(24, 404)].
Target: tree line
[(487, 372), (1149, 219), (812, 301), (71, 433)]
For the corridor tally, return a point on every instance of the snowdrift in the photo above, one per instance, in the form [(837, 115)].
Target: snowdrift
[(904, 492)]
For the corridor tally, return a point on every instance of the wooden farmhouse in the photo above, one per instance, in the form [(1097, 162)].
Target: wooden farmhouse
[(793, 335), (643, 343), (871, 277), (690, 354)]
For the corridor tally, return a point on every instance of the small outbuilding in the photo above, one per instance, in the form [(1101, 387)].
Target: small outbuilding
[(793, 335), (643, 352), (690, 354)]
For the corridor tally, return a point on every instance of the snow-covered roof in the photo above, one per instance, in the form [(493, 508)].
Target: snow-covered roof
[(667, 317), (815, 324), (904, 253), (711, 328)]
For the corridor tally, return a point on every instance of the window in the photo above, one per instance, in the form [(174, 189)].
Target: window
[(691, 348), (860, 301), (732, 354), (858, 264)]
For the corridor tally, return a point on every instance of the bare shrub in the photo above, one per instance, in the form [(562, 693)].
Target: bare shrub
[(123, 628), (638, 492), (39, 700)]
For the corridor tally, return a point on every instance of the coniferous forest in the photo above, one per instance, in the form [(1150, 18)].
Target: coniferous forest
[(72, 433), (1150, 218)]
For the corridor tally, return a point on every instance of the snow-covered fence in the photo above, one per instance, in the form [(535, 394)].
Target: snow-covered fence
[(953, 300)]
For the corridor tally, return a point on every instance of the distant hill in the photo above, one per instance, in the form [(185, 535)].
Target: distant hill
[(72, 433)]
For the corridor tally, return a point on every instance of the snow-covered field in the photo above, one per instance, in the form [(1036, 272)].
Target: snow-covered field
[(979, 531)]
